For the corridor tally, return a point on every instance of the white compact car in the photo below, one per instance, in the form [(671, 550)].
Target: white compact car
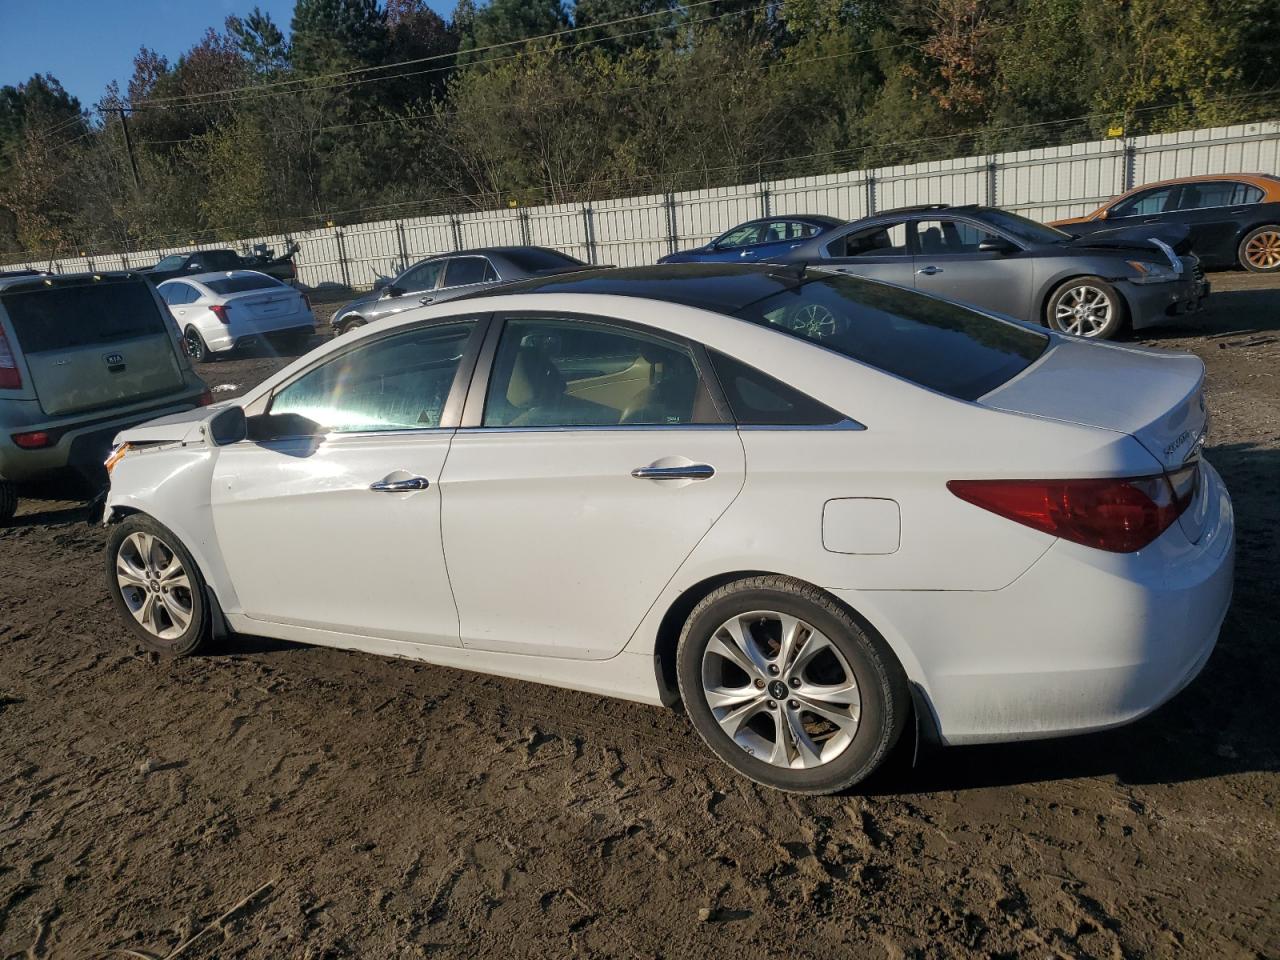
[(808, 506), (218, 312)]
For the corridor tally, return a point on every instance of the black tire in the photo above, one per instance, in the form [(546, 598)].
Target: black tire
[(184, 641), (1259, 251), (1085, 291), (8, 501), (885, 699), (197, 349), (349, 325)]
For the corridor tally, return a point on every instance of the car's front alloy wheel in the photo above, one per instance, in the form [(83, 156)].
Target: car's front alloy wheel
[(156, 586), (1086, 307), (787, 688)]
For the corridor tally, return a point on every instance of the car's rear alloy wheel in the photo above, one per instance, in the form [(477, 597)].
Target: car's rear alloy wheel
[(1086, 307), (156, 585), (1260, 250), (787, 688), (196, 348), (8, 501)]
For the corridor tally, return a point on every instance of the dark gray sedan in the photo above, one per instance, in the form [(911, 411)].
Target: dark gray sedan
[(451, 275), (999, 261)]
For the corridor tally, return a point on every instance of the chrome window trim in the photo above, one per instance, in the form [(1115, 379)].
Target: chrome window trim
[(598, 427), (846, 424)]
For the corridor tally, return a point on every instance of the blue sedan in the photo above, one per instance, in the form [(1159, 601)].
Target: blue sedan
[(761, 239)]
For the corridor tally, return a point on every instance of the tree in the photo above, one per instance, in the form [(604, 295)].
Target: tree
[(331, 35)]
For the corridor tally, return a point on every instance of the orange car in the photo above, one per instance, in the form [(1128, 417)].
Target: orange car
[(1233, 218)]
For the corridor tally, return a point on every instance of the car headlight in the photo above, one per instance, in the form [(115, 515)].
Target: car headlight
[(1148, 272)]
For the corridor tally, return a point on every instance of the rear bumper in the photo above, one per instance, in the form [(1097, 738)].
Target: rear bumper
[(1153, 303), (241, 332), (1082, 641), (83, 442)]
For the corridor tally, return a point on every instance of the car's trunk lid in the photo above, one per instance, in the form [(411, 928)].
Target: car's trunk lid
[(93, 343), (1154, 396), (276, 302)]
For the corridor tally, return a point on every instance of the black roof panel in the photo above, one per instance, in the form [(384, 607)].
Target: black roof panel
[(722, 287)]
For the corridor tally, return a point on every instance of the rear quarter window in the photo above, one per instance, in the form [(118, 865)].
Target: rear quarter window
[(938, 345), (82, 314)]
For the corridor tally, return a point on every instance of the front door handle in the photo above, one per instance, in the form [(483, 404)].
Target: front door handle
[(929, 271), (400, 486), (425, 300), (694, 471)]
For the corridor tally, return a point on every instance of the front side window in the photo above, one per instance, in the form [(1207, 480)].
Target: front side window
[(424, 276), (574, 373), (882, 240), (395, 383), (742, 236), (1144, 204), (949, 237), (463, 271)]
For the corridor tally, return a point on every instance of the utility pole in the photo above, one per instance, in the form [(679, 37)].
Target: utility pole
[(128, 142)]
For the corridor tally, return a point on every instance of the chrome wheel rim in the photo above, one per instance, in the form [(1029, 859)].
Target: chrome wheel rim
[(1263, 251), (155, 585), (781, 690), (814, 321), (1083, 311)]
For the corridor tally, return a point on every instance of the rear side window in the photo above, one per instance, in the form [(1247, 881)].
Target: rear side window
[(241, 284), (938, 345), (465, 270), (758, 399), (64, 317), (1217, 193)]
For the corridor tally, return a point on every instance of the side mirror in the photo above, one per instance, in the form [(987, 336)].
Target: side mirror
[(1104, 214), (230, 426), (391, 290), (996, 245), (278, 426)]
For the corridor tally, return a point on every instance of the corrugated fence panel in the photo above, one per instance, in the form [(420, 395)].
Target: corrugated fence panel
[(1045, 184)]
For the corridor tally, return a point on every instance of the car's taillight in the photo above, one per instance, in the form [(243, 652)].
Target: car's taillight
[(10, 376), (206, 398), (33, 440), (1121, 515), (219, 311)]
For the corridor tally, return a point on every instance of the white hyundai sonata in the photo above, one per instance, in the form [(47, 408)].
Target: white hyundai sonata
[(810, 507)]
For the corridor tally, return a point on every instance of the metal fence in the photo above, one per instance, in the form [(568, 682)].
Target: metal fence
[(1045, 184)]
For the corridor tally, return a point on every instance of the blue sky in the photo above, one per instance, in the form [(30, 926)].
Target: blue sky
[(88, 43)]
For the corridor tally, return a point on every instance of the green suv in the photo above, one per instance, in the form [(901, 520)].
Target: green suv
[(82, 356)]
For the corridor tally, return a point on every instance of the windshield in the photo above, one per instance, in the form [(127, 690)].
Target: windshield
[(939, 345), (1022, 228), (171, 262)]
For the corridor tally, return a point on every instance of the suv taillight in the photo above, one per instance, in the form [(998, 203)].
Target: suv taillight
[(1120, 515), (10, 377)]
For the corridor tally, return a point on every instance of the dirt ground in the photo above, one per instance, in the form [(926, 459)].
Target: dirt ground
[(280, 801)]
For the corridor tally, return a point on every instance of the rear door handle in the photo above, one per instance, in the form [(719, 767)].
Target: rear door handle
[(400, 486), (929, 271), (694, 471)]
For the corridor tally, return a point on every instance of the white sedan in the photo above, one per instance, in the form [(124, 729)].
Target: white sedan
[(813, 508), (218, 312)]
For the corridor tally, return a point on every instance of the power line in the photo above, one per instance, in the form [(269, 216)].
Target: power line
[(199, 98)]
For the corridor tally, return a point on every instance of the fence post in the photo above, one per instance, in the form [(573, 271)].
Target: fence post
[(404, 250), (992, 174), (1130, 163), (456, 225), (523, 216), (589, 234), (871, 194), (673, 238), (766, 201), (342, 258)]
